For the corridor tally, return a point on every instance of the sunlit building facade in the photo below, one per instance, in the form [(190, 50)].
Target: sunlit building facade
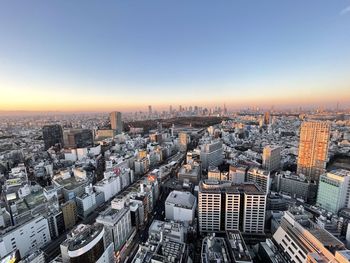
[(313, 149), (223, 205), (116, 121)]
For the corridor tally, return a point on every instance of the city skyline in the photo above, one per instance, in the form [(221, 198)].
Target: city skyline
[(84, 56)]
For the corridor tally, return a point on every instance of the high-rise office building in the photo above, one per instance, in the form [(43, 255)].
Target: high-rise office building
[(223, 205), (117, 224), (149, 110), (183, 141), (55, 221), (313, 149), (260, 177), (116, 121), (334, 190), (296, 186), (70, 216), (271, 158), (52, 135), (78, 138), (211, 154)]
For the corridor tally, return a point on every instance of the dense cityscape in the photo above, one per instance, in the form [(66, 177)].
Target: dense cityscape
[(175, 131), (257, 186)]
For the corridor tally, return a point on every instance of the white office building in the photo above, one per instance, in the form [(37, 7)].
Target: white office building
[(26, 237), (211, 154), (117, 224), (110, 185), (180, 206), (260, 177), (244, 204)]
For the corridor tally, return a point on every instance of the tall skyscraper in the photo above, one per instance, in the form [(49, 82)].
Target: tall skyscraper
[(149, 110), (183, 141), (116, 121), (267, 118), (313, 149), (271, 158), (52, 135), (223, 205)]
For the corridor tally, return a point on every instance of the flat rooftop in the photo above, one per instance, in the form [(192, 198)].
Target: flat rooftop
[(214, 249), (340, 172), (159, 226), (325, 237), (70, 183), (189, 169), (238, 246), (181, 199), (111, 216), (216, 186), (84, 237)]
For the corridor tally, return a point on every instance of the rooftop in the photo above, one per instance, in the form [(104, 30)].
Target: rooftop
[(340, 172), (181, 199), (111, 216), (190, 169), (214, 249), (238, 246), (82, 235), (229, 187), (70, 183)]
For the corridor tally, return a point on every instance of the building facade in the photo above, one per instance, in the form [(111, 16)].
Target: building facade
[(271, 158), (223, 205), (211, 154), (313, 149), (180, 206), (52, 135), (116, 121), (334, 190), (26, 237), (260, 177)]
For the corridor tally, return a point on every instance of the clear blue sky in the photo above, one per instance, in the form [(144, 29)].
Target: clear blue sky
[(128, 54)]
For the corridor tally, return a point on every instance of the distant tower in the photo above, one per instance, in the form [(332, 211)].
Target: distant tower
[(116, 121), (149, 110), (172, 130), (170, 109), (313, 149), (267, 118), (183, 140)]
